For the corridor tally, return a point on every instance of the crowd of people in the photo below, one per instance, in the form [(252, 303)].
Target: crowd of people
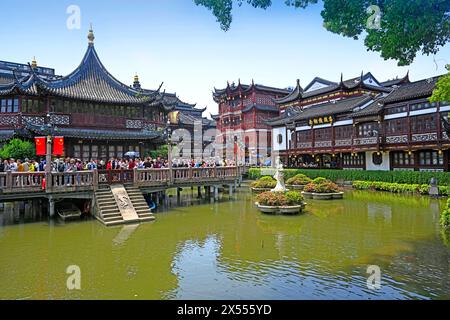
[(71, 164)]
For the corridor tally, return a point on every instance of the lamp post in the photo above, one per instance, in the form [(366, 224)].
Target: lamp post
[(169, 149), (48, 154)]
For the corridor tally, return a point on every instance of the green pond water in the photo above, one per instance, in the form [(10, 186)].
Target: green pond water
[(228, 250)]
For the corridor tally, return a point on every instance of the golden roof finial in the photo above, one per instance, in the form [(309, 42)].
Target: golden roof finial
[(136, 78), (91, 36), (34, 63)]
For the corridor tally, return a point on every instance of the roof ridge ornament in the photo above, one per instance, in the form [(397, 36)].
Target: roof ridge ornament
[(34, 63), (91, 36)]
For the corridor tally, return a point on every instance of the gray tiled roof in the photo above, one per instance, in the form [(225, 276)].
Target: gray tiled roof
[(83, 133), (90, 82), (326, 109), (413, 90), (349, 84), (260, 108), (246, 88), (372, 109)]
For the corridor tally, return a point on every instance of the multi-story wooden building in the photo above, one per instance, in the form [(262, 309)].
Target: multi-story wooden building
[(99, 116), (363, 124), (242, 121)]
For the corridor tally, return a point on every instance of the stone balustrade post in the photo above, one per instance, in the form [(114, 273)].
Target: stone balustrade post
[(9, 180), (135, 177), (48, 182), (95, 179)]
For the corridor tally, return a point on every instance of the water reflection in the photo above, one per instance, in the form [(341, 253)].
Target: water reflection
[(202, 250)]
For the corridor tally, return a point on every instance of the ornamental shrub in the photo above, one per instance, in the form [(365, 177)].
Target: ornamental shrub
[(319, 180), (269, 198), (265, 182), (272, 199), (294, 198), (298, 180), (322, 186)]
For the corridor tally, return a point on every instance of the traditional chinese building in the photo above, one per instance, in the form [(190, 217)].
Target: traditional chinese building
[(242, 121), (99, 116), (362, 124)]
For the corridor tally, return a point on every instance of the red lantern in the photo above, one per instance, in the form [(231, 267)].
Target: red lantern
[(41, 146), (58, 146)]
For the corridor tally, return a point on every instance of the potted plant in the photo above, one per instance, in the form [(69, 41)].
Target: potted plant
[(263, 184), (291, 202), (322, 189), (298, 182)]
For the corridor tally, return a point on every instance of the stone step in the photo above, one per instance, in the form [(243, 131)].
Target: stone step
[(140, 207), (144, 214), (110, 215), (138, 196), (109, 219), (103, 194), (113, 223), (108, 206), (135, 196), (139, 202), (111, 198), (106, 200), (109, 211), (146, 218)]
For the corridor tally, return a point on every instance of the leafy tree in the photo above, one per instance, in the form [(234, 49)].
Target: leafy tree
[(398, 29), (18, 149), (442, 92), (162, 152)]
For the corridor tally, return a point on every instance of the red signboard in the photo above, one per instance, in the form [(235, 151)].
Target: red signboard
[(58, 146), (41, 146)]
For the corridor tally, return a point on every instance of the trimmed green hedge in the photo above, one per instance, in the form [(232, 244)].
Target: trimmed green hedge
[(398, 187), (445, 216), (408, 177)]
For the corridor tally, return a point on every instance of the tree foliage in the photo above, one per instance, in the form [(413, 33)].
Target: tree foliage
[(162, 152), (18, 149), (398, 29), (442, 92)]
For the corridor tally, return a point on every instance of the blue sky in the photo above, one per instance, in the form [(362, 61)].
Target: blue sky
[(181, 44)]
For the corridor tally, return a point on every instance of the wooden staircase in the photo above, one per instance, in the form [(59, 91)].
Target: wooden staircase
[(108, 211)]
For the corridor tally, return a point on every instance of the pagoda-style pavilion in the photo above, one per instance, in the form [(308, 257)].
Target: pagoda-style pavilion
[(99, 116)]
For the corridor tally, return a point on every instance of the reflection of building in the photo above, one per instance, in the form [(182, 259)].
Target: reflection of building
[(363, 124), (99, 116), (243, 112)]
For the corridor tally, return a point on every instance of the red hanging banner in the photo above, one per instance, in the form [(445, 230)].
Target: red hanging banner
[(58, 146), (41, 146)]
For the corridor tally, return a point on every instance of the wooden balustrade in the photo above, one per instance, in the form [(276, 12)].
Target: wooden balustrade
[(152, 177), (55, 182), (68, 181)]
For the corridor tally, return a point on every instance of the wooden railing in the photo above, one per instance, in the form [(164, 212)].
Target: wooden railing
[(18, 182)]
